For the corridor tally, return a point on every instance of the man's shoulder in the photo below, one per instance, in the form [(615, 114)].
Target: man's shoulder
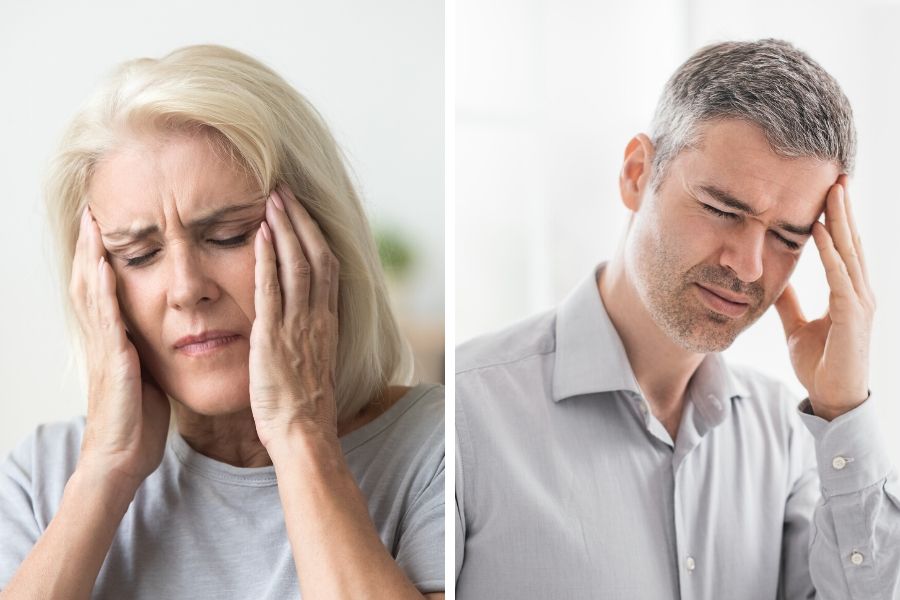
[(526, 339)]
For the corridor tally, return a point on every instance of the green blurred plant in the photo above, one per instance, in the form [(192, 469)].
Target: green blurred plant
[(395, 251)]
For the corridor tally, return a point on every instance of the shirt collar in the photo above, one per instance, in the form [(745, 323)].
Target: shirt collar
[(590, 357)]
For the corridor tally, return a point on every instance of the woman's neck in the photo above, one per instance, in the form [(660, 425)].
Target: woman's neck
[(232, 438)]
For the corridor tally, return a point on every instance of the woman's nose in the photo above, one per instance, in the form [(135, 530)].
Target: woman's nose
[(743, 252), (189, 283)]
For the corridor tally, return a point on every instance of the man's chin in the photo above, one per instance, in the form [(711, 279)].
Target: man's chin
[(717, 334)]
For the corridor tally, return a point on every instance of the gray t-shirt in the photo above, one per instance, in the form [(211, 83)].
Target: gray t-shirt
[(199, 528)]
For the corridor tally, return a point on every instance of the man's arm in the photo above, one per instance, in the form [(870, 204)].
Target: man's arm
[(855, 529)]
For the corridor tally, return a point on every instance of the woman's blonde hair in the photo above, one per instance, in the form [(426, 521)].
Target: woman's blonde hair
[(277, 136)]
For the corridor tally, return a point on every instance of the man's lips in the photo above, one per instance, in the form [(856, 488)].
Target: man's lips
[(723, 302)]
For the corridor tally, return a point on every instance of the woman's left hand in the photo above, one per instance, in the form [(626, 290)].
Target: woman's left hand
[(293, 342)]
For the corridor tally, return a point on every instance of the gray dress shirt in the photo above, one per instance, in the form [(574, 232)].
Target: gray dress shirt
[(567, 486)]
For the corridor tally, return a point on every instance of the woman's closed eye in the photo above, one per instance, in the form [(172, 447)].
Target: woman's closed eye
[(232, 242)]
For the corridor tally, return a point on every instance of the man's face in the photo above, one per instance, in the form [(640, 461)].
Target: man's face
[(714, 247)]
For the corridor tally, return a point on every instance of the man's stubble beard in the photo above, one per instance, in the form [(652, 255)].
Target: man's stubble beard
[(667, 289)]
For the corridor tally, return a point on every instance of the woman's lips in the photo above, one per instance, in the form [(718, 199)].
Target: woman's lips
[(720, 304), (208, 346)]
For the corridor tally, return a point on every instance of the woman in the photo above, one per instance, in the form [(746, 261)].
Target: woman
[(223, 276)]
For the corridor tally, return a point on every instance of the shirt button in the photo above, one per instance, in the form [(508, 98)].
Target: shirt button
[(689, 563), (856, 558), (839, 462)]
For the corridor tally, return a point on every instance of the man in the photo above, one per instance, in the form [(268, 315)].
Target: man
[(606, 450)]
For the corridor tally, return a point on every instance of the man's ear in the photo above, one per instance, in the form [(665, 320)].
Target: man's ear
[(637, 167)]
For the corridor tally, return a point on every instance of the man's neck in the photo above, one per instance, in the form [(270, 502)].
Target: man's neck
[(661, 367)]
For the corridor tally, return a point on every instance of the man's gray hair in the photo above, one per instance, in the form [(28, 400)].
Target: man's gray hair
[(770, 83)]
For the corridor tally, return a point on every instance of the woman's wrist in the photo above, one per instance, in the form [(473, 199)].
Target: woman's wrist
[(306, 442), (105, 485)]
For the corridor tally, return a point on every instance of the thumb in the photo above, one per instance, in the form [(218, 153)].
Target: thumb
[(788, 307)]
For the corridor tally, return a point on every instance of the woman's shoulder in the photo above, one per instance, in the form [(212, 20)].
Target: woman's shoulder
[(56, 443), (39, 466), (413, 424)]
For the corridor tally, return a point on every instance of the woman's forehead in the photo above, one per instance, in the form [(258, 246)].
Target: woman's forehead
[(180, 176)]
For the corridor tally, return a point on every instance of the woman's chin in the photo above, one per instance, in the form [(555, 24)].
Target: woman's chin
[(213, 398)]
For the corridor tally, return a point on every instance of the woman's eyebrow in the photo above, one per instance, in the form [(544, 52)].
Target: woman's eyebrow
[(132, 234)]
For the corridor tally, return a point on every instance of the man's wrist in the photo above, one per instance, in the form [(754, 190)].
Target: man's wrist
[(830, 411)]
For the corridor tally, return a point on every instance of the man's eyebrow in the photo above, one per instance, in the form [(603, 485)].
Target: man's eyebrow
[(728, 200), (198, 223)]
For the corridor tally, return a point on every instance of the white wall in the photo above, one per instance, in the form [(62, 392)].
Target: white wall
[(550, 92), (374, 69)]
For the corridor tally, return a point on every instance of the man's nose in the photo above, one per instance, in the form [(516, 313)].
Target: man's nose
[(743, 251), (189, 283)]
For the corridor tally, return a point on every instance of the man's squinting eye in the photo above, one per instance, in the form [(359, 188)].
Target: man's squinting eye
[(240, 240), (732, 216)]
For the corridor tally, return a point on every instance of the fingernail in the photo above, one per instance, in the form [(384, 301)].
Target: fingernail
[(277, 200), (100, 264), (84, 214), (265, 231)]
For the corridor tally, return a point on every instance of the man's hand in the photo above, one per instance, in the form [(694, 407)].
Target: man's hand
[(831, 354)]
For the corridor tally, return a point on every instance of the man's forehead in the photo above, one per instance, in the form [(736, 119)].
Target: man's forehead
[(738, 153), (798, 186)]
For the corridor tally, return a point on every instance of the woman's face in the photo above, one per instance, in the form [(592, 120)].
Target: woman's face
[(178, 220)]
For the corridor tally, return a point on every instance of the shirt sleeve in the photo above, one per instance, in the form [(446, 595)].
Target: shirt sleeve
[(854, 537), (19, 528), (420, 552)]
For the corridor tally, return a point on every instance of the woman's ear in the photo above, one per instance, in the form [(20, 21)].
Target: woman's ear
[(637, 168)]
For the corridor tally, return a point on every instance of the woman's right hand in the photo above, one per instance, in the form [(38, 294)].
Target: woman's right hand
[(128, 416)]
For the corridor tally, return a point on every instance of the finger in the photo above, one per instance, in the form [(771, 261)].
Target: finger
[(294, 270), (316, 248), (839, 227), (788, 307), (267, 295), (93, 251), (835, 269), (77, 285), (854, 231), (335, 287), (110, 319)]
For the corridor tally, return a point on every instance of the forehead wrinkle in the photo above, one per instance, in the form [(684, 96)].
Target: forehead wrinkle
[(215, 216)]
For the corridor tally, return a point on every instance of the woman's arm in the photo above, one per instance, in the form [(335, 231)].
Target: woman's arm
[(336, 548), (65, 561), (293, 349), (124, 439)]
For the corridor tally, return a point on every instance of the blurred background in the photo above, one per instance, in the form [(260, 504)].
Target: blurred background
[(374, 70), (548, 95)]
